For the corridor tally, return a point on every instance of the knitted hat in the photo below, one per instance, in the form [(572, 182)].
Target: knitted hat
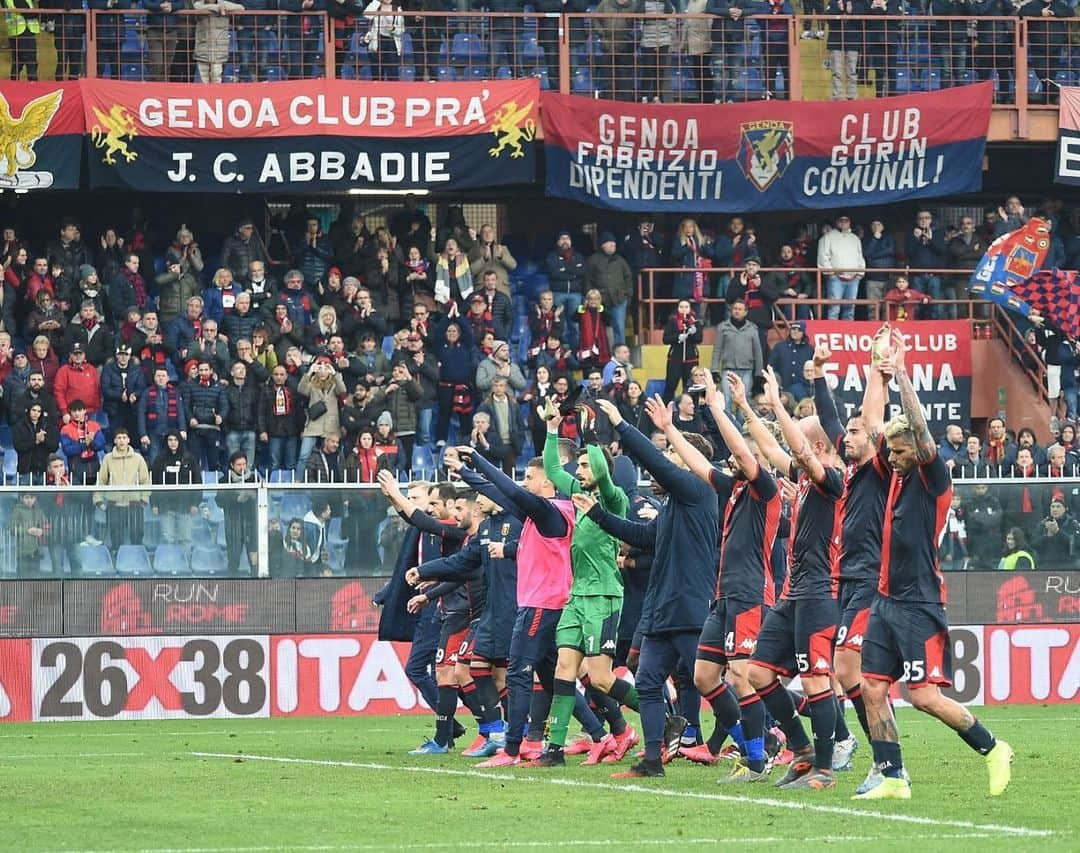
[(385, 418)]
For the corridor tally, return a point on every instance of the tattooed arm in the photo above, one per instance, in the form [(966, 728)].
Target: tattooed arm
[(925, 448)]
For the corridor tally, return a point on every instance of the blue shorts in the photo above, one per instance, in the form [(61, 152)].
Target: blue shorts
[(797, 637), (907, 641)]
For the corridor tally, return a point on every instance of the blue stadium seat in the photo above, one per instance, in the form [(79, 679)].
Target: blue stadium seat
[(335, 545), (902, 82), (541, 74), (582, 83), (654, 386), (133, 560), (1034, 84), (94, 560), (476, 72), (231, 73), (748, 84), (683, 84), (11, 466), (132, 71), (295, 505), (274, 74), (531, 52), (504, 72), (445, 74), (930, 80), (357, 46), (407, 73), (406, 46), (171, 560), (967, 77), (467, 49), (1064, 78), (423, 464), (279, 475), (210, 478), (779, 83), (207, 560)]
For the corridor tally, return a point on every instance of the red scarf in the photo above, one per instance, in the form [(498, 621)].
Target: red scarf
[(138, 285), (282, 402), (369, 464), (995, 450), (89, 324)]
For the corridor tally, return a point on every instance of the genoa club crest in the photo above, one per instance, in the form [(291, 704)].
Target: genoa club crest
[(766, 149)]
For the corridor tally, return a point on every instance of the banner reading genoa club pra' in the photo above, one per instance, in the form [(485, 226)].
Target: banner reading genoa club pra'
[(311, 135), (765, 155), (938, 361), (42, 129)]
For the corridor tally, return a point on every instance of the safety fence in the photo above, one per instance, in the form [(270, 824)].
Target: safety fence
[(697, 58), (336, 530)]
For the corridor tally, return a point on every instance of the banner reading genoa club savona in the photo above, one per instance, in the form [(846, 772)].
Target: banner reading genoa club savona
[(765, 155), (41, 133), (311, 135), (938, 360)]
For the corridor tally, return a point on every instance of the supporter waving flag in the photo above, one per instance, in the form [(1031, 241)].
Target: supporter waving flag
[(1011, 260)]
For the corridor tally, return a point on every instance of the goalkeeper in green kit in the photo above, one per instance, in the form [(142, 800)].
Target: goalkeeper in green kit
[(588, 629)]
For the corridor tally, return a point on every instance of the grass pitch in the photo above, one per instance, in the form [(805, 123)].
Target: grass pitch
[(347, 784)]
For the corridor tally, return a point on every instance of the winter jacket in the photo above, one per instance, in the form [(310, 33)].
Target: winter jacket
[(219, 302), (82, 458), (284, 419), (172, 469), (610, 274), (683, 538), (123, 469), (682, 336), (329, 423), (161, 410), (34, 457), (489, 369), (736, 348), (212, 31), (879, 252), (457, 363), (98, 342), (243, 405), (205, 401), (787, 359), (926, 254), (565, 274), (236, 326), (77, 383), (236, 253), (840, 250), (312, 261), (115, 381), (401, 404), (174, 291)]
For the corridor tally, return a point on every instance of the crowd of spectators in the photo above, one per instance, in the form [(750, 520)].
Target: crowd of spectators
[(330, 353), (742, 52)]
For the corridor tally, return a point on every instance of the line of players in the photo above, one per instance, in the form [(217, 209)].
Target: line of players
[(863, 591)]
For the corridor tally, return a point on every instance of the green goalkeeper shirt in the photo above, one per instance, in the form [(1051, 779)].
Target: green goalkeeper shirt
[(593, 551)]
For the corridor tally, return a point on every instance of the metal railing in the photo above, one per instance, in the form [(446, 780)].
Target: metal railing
[(659, 291), (689, 58)]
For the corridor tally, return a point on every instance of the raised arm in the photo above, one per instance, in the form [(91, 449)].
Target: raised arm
[(801, 451), (823, 398), (661, 416), (477, 482), (549, 521), (875, 398), (768, 445), (729, 432), (633, 533), (682, 485), (564, 482), (464, 565), (925, 448)]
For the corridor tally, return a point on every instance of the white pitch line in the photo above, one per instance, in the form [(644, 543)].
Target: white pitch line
[(591, 842), (642, 789), (36, 755), (36, 733)]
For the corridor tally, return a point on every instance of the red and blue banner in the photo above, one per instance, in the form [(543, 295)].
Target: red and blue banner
[(765, 155), (1056, 295), (311, 135), (938, 360), (1009, 261), (42, 133)]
